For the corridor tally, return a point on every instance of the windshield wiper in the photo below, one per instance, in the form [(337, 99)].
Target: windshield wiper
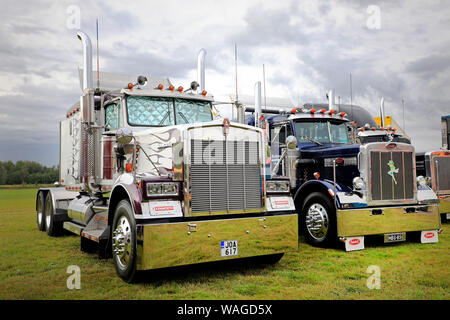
[(184, 118), (312, 140), (165, 117)]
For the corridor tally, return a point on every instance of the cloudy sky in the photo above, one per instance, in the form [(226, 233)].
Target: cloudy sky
[(395, 49)]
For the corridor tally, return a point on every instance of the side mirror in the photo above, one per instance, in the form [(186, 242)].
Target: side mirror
[(291, 142), (124, 135)]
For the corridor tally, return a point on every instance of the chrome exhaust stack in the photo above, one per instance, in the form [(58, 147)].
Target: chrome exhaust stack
[(332, 101), (258, 110), (87, 60), (201, 69), (382, 114)]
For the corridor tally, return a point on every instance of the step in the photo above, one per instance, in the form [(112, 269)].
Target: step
[(73, 227), (94, 235)]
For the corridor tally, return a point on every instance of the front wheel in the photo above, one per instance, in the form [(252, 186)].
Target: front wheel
[(124, 241), (318, 220)]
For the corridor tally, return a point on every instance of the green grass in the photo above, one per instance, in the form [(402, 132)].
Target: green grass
[(33, 266)]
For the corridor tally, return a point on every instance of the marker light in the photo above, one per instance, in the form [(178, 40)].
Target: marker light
[(339, 161), (180, 89), (130, 86), (160, 86), (204, 93), (317, 175), (128, 167), (312, 111), (342, 114), (171, 88), (294, 111)]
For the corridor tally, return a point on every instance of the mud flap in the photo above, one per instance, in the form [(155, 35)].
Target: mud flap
[(354, 243), (429, 237)]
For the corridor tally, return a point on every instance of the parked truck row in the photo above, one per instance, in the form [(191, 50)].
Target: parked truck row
[(150, 177)]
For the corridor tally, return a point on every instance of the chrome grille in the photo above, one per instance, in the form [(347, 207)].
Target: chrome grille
[(225, 176), (392, 175), (442, 172)]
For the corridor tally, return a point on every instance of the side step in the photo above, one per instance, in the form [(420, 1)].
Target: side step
[(97, 231), (73, 227)]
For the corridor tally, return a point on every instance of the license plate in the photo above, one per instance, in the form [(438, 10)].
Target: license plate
[(228, 248), (395, 237)]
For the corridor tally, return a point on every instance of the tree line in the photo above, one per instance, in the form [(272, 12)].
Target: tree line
[(27, 172)]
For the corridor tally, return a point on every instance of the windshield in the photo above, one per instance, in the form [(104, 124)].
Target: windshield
[(321, 132), (157, 111)]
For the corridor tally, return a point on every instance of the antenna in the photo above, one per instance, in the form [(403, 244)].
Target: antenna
[(235, 70), (264, 82), (351, 95), (403, 103), (98, 71)]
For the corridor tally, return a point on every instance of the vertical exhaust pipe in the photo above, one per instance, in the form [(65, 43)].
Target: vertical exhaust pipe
[(332, 101), (258, 110), (382, 114), (201, 68), (87, 59)]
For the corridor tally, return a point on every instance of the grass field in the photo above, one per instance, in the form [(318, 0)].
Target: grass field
[(33, 266)]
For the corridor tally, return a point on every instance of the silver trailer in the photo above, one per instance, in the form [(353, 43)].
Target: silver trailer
[(151, 179)]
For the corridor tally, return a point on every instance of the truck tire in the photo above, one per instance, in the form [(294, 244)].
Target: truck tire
[(318, 220), (124, 241), (40, 211), (52, 227)]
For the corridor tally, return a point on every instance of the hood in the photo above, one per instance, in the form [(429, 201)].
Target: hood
[(311, 150)]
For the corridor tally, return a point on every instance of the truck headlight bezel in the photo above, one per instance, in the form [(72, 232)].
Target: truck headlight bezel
[(278, 186), (161, 189)]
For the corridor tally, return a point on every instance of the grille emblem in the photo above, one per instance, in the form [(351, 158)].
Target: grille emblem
[(226, 126), (393, 170)]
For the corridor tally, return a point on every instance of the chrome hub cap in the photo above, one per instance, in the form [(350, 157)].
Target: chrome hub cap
[(121, 243), (317, 221)]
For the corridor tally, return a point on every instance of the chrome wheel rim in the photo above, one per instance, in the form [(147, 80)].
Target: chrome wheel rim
[(48, 212), (122, 242), (39, 212), (317, 221)]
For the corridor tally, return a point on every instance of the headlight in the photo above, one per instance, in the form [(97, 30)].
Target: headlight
[(277, 186), (162, 189), (358, 183), (421, 181)]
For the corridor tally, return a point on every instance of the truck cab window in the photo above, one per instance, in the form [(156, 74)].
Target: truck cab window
[(112, 112), (189, 111), (150, 111)]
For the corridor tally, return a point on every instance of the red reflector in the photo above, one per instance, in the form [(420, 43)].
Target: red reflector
[(342, 114), (171, 88)]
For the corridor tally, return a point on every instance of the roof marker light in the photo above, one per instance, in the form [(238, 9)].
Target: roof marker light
[(171, 88), (342, 114), (180, 89), (322, 111), (312, 111), (294, 111), (160, 86)]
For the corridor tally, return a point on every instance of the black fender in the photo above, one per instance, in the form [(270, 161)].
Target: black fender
[(324, 186)]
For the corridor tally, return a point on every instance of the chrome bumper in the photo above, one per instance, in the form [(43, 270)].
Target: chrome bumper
[(369, 221), (183, 243)]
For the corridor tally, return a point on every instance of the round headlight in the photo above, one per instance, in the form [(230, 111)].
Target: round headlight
[(358, 183), (421, 181)]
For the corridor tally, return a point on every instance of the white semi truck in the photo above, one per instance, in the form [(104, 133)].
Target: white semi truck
[(151, 179)]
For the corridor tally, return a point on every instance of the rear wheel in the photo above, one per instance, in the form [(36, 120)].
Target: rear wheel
[(124, 241), (318, 220), (40, 211), (52, 226)]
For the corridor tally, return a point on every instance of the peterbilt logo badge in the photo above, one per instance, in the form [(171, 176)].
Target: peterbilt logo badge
[(354, 242), (429, 235), (393, 170), (226, 126)]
